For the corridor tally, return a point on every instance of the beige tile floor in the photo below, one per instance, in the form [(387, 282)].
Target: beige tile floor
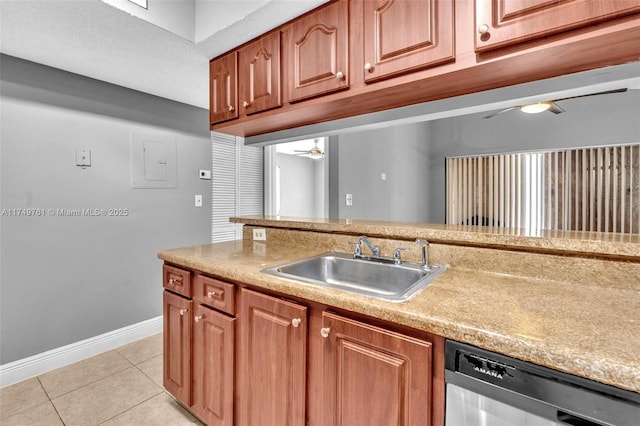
[(117, 388)]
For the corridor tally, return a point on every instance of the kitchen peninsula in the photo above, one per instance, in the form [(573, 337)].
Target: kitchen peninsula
[(566, 300)]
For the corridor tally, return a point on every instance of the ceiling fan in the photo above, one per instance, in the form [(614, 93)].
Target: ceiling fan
[(550, 105), (316, 153)]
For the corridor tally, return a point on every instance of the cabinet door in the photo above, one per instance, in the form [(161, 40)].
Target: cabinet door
[(259, 74), (401, 36), (177, 346), (213, 366), (512, 21), (318, 52), (374, 376), (272, 361), (223, 86)]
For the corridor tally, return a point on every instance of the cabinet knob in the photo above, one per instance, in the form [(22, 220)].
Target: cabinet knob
[(198, 318), (296, 322), (368, 67), (324, 332), (340, 75), (173, 281), (483, 29), (246, 104), (183, 311), (231, 108), (211, 294)]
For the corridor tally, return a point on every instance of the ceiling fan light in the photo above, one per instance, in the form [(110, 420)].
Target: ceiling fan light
[(535, 108), (316, 154)]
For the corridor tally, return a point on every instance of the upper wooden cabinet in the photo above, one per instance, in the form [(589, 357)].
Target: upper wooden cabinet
[(223, 87), (500, 23), (317, 52), (406, 35), (259, 74)]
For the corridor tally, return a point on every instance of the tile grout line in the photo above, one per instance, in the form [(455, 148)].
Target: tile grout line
[(50, 401), (131, 408), (86, 384)]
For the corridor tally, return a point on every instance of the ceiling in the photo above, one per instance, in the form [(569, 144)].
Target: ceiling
[(163, 50)]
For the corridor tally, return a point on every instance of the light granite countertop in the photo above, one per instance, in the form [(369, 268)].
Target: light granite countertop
[(586, 330)]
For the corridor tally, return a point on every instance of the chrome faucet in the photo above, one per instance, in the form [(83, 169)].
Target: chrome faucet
[(425, 254), (374, 249)]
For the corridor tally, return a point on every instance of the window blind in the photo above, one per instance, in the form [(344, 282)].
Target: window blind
[(586, 189), (237, 184)]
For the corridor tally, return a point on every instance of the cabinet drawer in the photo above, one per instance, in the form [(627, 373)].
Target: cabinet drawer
[(216, 294), (177, 280)]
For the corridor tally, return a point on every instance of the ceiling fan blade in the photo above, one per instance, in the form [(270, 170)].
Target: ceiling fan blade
[(555, 109), (499, 112), (608, 92)]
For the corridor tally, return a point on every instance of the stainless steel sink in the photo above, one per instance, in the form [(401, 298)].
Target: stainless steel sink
[(386, 281)]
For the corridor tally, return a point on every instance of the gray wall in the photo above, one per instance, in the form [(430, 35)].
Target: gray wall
[(402, 153), (65, 279)]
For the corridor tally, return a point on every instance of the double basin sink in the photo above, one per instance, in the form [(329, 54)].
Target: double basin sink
[(372, 277)]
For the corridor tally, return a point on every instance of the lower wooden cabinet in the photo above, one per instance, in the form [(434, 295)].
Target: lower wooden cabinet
[(177, 346), (272, 360), (213, 366), (374, 376), (295, 363), (199, 348)]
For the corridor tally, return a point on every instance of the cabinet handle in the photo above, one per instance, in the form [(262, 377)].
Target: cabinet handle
[(324, 332), (183, 311), (231, 108), (246, 104), (483, 29), (173, 281), (368, 67), (211, 294), (296, 322), (340, 75), (198, 318)]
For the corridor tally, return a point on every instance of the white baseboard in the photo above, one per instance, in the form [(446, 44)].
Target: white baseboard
[(23, 369)]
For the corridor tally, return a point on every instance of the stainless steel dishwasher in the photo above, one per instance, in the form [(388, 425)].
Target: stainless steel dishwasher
[(488, 389)]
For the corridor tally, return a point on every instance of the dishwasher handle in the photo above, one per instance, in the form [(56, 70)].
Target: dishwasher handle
[(572, 420)]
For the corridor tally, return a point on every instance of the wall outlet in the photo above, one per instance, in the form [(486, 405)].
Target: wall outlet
[(259, 234), (198, 200)]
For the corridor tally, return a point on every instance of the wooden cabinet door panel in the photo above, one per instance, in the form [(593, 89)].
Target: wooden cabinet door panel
[(401, 36), (177, 346), (374, 376), (213, 366), (500, 23), (272, 384), (223, 86), (259, 74), (318, 52)]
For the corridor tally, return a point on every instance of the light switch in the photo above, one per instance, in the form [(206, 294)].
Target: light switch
[(198, 200), (83, 158)]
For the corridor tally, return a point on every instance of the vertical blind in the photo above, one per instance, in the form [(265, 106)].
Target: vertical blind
[(586, 189), (237, 184)]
